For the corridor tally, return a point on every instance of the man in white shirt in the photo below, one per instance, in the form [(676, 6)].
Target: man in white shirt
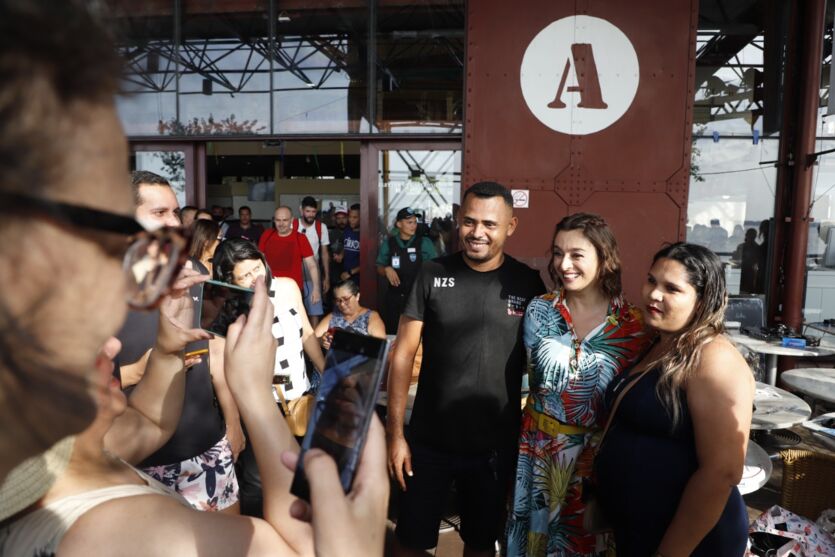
[(317, 234)]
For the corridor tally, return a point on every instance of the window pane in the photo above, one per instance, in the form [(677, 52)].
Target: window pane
[(427, 181), (731, 196), (321, 67), (420, 66), (224, 83), (145, 38), (820, 260)]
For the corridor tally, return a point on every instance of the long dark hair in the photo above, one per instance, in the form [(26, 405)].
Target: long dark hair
[(231, 252), (596, 231), (205, 232), (707, 277)]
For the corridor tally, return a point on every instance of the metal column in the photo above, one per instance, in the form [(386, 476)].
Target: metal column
[(808, 98)]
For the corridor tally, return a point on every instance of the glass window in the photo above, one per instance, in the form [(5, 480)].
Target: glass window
[(729, 74), (429, 182), (420, 66), (320, 68), (225, 71), (730, 207), (820, 259), (145, 38)]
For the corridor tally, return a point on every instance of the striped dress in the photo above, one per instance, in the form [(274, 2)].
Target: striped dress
[(547, 513)]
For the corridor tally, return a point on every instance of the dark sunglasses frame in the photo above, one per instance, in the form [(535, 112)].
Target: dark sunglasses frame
[(76, 215), (98, 220)]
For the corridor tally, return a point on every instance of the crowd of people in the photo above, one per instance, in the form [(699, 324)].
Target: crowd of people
[(127, 429)]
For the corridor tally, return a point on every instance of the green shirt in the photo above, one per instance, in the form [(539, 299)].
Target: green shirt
[(427, 249)]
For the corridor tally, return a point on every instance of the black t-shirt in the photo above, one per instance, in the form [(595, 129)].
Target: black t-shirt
[(469, 390), (200, 426)]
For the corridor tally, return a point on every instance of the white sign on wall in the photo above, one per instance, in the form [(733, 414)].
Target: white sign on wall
[(579, 75), (521, 198)]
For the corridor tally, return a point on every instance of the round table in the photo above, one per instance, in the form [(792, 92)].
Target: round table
[(757, 469), (772, 349), (817, 382), (775, 408)]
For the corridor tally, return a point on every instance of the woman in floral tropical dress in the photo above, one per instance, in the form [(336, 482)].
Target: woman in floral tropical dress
[(578, 339)]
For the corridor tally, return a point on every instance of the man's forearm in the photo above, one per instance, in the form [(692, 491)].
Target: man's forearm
[(400, 376), (313, 271)]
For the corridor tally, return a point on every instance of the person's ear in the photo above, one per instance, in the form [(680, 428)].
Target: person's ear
[(511, 226)]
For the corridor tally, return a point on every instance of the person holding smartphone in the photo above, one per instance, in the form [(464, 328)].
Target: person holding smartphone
[(239, 262), (102, 504)]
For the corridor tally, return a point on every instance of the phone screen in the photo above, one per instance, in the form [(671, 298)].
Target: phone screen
[(222, 304), (344, 405)]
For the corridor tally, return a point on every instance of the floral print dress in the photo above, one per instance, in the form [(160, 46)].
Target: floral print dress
[(547, 513)]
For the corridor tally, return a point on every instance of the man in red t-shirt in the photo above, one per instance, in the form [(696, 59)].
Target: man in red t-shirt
[(286, 250)]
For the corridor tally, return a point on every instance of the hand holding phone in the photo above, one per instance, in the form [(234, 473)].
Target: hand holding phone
[(346, 525), (222, 305), (344, 405), (249, 353), (176, 315)]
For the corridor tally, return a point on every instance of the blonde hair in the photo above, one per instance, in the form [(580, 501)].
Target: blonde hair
[(706, 275)]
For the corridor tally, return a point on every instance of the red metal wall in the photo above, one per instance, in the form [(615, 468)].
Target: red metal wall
[(635, 172)]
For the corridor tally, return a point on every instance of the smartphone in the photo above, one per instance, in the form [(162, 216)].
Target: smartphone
[(222, 304), (344, 405)]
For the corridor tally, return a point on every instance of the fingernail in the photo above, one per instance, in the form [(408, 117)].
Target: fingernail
[(409, 473)]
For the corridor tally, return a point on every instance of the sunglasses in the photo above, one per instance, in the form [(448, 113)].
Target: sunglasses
[(151, 260)]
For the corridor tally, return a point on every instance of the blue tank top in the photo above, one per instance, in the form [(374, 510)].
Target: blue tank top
[(642, 468), (358, 325)]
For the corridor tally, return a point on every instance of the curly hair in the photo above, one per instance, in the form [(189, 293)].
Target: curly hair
[(596, 231)]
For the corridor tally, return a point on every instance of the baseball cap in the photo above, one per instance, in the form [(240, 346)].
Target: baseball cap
[(405, 213), (340, 209)]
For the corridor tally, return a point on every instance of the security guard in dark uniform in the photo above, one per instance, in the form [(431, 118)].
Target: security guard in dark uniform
[(399, 260)]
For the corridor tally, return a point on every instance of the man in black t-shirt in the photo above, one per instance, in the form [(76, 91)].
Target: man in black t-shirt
[(467, 309)]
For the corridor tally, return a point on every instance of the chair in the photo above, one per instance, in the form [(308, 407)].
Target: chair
[(808, 482)]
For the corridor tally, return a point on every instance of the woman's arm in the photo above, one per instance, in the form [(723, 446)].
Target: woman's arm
[(720, 397), (376, 327), (231, 416), (323, 326), (155, 404), (289, 288)]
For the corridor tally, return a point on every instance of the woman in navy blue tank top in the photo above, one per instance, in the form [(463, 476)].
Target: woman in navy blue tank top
[(670, 461)]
